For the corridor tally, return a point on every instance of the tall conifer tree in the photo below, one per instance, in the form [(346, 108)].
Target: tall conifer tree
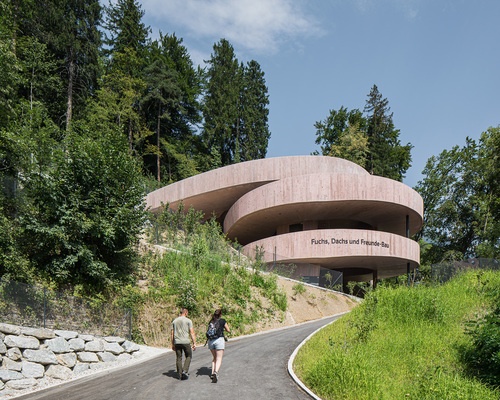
[(254, 136), (124, 22), (235, 111), (71, 28), (386, 156), (177, 147), (221, 102), (128, 39)]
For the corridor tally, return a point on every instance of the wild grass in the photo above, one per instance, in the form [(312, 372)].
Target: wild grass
[(403, 343), (201, 271)]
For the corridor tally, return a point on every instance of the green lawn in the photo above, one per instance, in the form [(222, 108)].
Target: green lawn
[(403, 343)]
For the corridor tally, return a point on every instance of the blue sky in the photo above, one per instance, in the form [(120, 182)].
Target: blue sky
[(436, 61)]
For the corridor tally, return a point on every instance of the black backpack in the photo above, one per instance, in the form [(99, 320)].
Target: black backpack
[(213, 330)]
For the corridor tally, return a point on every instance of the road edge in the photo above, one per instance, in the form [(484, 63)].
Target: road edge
[(294, 354)]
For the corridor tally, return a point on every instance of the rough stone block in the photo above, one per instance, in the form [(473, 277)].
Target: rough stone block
[(67, 359), (66, 334), (58, 345), (39, 333), (87, 338), (114, 348), (97, 366), (95, 345), (14, 353), (12, 365), (3, 347), (87, 357), (80, 367), (21, 384), (8, 375), (22, 342), (44, 357), (9, 329), (59, 372), (123, 357), (76, 344), (106, 357), (32, 370), (114, 339), (130, 347)]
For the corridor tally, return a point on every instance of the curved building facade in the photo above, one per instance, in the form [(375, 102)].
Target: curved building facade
[(309, 210)]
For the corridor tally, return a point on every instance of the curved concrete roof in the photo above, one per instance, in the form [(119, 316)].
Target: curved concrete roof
[(261, 202), (216, 191), (380, 202)]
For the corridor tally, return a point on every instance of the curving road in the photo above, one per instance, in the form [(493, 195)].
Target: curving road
[(253, 367)]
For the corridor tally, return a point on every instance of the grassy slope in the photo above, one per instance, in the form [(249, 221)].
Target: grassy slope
[(202, 280), (198, 268), (402, 343)]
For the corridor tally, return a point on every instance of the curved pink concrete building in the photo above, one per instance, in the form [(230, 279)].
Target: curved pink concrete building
[(317, 210)]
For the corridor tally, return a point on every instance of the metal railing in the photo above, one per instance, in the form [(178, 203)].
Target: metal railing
[(306, 272), (444, 271), (38, 307)]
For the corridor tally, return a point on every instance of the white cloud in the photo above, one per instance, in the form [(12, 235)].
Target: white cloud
[(257, 25), (409, 8)]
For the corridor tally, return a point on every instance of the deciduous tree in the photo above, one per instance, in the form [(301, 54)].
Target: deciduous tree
[(460, 193), (86, 211), (330, 131), (370, 140)]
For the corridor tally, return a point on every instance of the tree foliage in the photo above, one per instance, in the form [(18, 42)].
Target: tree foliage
[(460, 193), (235, 109), (386, 156), (254, 129), (87, 102), (10, 75), (84, 211), (220, 112), (171, 101), (368, 139)]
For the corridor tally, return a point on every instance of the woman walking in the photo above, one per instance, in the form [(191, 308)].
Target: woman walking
[(215, 335)]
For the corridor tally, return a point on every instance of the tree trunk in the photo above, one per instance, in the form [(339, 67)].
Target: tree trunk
[(71, 76), (158, 142), (130, 135)]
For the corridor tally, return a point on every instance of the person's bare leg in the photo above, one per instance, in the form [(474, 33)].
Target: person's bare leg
[(214, 355), (218, 359)]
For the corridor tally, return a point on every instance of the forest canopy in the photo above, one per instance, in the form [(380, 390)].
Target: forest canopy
[(94, 113)]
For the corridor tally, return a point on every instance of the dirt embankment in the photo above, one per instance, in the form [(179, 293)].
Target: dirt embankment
[(313, 303)]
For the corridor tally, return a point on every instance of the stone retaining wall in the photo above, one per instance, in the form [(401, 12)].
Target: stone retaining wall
[(30, 355)]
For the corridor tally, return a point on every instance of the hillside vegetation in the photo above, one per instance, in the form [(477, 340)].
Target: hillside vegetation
[(434, 342), (197, 268)]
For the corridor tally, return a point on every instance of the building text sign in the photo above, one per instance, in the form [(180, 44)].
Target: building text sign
[(343, 241)]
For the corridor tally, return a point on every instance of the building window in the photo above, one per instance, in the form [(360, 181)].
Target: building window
[(296, 228)]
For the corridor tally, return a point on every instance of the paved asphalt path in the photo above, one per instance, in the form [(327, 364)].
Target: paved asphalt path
[(253, 367)]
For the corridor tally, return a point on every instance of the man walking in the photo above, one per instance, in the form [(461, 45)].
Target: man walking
[(182, 328)]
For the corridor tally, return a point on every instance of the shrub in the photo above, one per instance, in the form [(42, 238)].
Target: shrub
[(483, 356), (298, 288)]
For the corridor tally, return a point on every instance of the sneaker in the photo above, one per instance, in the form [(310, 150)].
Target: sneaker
[(215, 377), (185, 375)]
